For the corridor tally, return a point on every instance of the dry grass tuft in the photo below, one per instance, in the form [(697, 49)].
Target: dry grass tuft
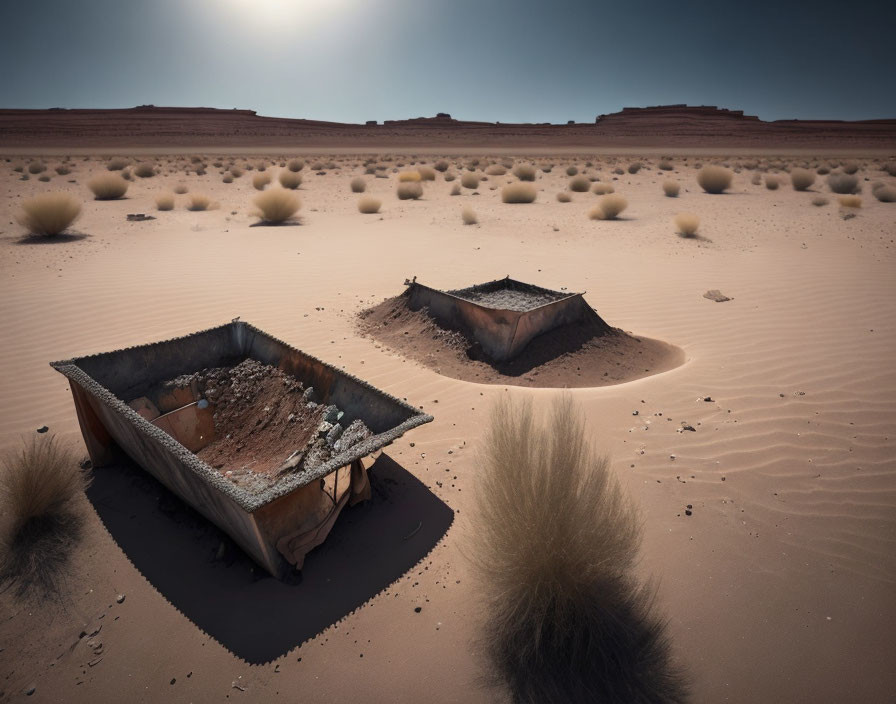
[(468, 216), (260, 180), (409, 190), (469, 179), (165, 201), (843, 183), (276, 205), (687, 224), (108, 186), (409, 176), (520, 192), (801, 179), (850, 201), (358, 185), (602, 189), (41, 516), (553, 548), (579, 184), (290, 179), (608, 208), (525, 172), (49, 213), (564, 197), (144, 170), (369, 206), (671, 188), (714, 179), (199, 201)]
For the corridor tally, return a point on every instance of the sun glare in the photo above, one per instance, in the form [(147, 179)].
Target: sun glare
[(284, 13)]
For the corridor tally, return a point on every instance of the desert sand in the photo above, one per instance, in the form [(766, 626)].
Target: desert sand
[(779, 581)]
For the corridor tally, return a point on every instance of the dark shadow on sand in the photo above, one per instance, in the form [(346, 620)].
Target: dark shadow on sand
[(202, 573), (63, 238), (287, 223)]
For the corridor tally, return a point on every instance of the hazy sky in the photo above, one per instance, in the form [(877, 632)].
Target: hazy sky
[(507, 60)]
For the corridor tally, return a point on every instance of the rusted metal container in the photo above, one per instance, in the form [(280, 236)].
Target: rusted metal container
[(278, 525)]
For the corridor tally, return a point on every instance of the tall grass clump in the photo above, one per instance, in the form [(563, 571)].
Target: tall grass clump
[(801, 179), (108, 186), (41, 518), (518, 193), (469, 179), (608, 208), (671, 188), (579, 184), (49, 213), (165, 201), (687, 224), (290, 179), (358, 185), (714, 179), (409, 190), (553, 549), (369, 206), (276, 205), (843, 183), (525, 172), (468, 216), (260, 180)]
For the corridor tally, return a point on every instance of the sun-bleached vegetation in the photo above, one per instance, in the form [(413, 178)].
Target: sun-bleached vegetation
[(426, 173), (563, 197), (525, 172), (469, 179), (468, 216), (180, 189), (579, 184), (687, 224), (198, 202), (107, 186), (369, 206), (671, 188), (850, 201), (409, 190), (358, 185), (843, 183), (820, 201), (602, 189), (165, 201), (801, 179), (117, 164), (295, 165), (519, 192), (553, 546), (276, 205), (714, 179), (260, 180), (608, 207), (290, 179), (49, 213), (36, 167), (771, 182), (144, 170), (409, 176), (884, 193), (495, 170)]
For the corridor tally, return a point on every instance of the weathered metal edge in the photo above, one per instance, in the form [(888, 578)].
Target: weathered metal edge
[(565, 296), (246, 500)]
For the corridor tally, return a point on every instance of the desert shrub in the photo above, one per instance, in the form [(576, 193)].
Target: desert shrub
[(261, 166), (822, 170), (295, 165), (426, 173), (276, 205), (49, 213), (850, 201), (756, 179), (409, 176), (519, 192), (455, 189), (801, 179), (369, 206), (525, 172), (687, 224), (63, 170), (553, 549), (884, 193), (671, 188), (290, 179), (819, 201), (108, 186), (44, 178), (469, 179), (198, 201), (579, 184), (18, 167), (634, 167), (144, 170), (714, 179), (165, 201), (843, 183), (665, 165), (227, 178), (572, 170), (441, 165), (564, 197), (260, 180), (236, 171), (36, 167), (602, 189), (850, 167), (358, 185), (450, 176), (409, 190), (180, 189), (495, 170), (890, 168), (608, 208), (42, 519), (468, 216), (771, 182)]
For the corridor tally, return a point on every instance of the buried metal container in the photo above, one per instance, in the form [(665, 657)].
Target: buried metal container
[(503, 316), (278, 524)]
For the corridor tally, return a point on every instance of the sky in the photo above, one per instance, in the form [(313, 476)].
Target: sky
[(490, 60)]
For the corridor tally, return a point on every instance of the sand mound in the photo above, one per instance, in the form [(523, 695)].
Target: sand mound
[(573, 356)]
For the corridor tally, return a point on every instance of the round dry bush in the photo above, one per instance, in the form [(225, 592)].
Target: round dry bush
[(108, 186), (884, 193), (369, 206), (634, 167), (441, 165), (890, 168), (290, 179), (63, 170), (609, 208), (671, 188), (579, 184), (450, 176), (850, 201), (564, 197), (409, 190), (198, 201), (276, 205), (801, 179), (144, 170), (18, 168), (687, 224), (495, 170), (295, 165), (455, 189), (843, 183), (602, 189), (850, 167), (714, 179), (117, 164), (227, 178), (819, 201), (236, 171), (571, 170), (518, 193), (525, 172), (261, 166), (409, 176), (469, 179), (180, 189), (426, 173), (771, 182), (36, 167), (665, 165), (358, 185), (468, 216), (260, 180), (44, 178), (49, 213), (165, 201)]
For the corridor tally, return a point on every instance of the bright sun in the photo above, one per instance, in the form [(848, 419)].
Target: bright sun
[(282, 13)]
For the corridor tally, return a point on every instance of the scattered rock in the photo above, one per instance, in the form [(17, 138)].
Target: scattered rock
[(686, 426), (634, 413), (139, 217), (708, 399), (120, 599), (86, 464), (418, 609), (31, 690), (716, 295), (42, 429)]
